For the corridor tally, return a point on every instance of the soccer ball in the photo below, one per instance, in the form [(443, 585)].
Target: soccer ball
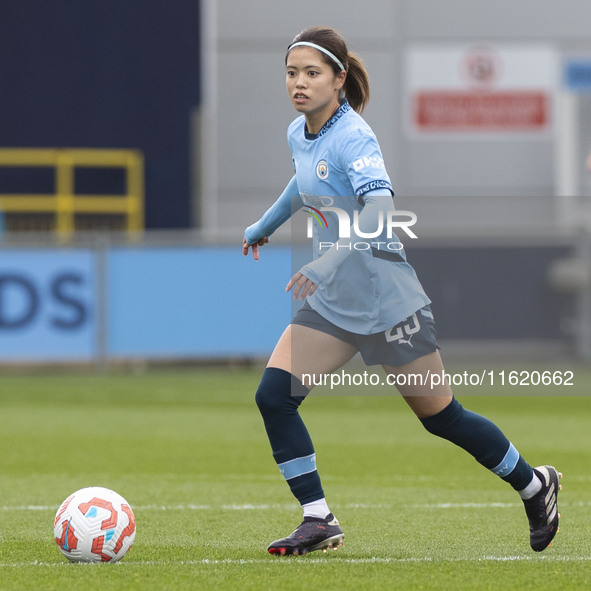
[(94, 524)]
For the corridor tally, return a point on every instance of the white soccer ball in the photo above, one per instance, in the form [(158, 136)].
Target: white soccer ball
[(94, 524)]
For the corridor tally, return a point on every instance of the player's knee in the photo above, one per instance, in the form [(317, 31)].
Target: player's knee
[(267, 399), (440, 423), (278, 392)]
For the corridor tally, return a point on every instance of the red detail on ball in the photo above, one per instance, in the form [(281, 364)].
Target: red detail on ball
[(97, 548), (108, 523), (68, 540), (62, 510), (128, 531)]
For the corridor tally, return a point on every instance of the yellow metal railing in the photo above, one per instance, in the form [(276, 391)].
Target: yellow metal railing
[(64, 203)]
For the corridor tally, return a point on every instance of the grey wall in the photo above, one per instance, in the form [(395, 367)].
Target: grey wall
[(453, 183)]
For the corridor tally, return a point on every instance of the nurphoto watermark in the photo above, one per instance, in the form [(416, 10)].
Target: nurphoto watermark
[(387, 222), (431, 381)]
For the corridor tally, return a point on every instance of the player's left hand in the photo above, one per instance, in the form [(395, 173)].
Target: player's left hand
[(301, 285)]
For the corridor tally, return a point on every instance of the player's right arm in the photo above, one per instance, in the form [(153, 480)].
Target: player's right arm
[(286, 205)]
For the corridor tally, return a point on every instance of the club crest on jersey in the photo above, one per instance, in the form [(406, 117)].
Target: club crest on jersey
[(322, 170)]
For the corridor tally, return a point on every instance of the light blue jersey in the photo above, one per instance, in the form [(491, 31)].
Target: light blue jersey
[(343, 161), (364, 283), (373, 288)]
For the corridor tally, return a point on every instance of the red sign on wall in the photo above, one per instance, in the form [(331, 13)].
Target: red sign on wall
[(441, 111)]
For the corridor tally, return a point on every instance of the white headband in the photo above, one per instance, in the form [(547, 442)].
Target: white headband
[(332, 56)]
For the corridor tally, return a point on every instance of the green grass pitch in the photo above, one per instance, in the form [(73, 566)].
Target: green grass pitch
[(188, 450)]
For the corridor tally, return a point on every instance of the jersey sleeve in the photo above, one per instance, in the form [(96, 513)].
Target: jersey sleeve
[(286, 205), (364, 163)]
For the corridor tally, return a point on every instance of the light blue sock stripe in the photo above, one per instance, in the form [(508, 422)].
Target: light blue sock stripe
[(298, 466), (508, 463)]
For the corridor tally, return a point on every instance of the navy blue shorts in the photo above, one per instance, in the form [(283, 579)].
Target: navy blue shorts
[(410, 339)]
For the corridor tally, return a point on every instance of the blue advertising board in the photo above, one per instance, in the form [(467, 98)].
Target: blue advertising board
[(577, 75), (47, 303), (186, 301), (153, 303), (197, 302)]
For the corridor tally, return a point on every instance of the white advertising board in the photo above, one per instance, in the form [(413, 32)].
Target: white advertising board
[(482, 89)]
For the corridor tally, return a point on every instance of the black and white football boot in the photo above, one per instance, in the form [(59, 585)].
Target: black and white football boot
[(542, 509), (312, 534)]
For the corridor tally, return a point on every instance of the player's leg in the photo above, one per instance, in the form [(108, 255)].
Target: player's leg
[(301, 351), (304, 351), (441, 414)]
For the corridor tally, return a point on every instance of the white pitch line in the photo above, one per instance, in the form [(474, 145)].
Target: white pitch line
[(463, 505), (192, 507), (314, 561), (287, 507)]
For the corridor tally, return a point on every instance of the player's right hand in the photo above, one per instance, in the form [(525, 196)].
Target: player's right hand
[(255, 247)]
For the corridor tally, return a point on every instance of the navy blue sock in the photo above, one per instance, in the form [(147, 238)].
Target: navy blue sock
[(484, 440), (278, 397)]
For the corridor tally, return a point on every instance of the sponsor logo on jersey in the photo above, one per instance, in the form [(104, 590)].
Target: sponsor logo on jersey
[(322, 170), (368, 162)]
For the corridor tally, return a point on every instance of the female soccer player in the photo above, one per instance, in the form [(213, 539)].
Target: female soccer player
[(360, 296)]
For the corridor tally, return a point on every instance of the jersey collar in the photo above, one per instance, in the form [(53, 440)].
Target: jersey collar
[(345, 106)]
